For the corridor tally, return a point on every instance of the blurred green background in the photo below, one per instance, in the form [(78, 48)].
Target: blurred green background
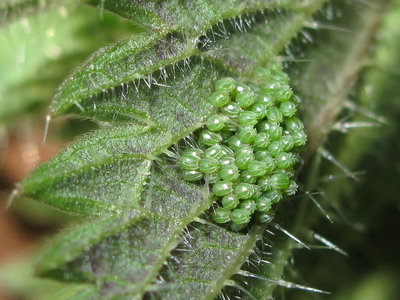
[(37, 52)]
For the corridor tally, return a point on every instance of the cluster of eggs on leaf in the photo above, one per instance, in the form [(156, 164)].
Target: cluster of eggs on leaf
[(248, 148)]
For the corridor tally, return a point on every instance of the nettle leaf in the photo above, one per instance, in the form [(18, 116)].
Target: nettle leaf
[(81, 179), (152, 236), (120, 63), (139, 56), (125, 251), (179, 103), (270, 33), (195, 266)]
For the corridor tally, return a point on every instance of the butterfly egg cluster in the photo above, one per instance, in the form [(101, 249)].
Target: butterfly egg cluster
[(248, 148)]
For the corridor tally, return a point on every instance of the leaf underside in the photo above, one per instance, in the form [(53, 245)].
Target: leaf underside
[(146, 231)]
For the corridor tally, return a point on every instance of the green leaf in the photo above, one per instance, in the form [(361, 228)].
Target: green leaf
[(138, 57), (179, 103), (269, 35), (114, 162), (126, 250), (125, 61), (199, 275)]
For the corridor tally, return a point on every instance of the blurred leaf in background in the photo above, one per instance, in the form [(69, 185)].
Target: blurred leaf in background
[(37, 51), (370, 229)]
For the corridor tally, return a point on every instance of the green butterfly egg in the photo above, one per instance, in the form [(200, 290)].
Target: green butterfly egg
[(234, 143), (230, 201), (225, 85), (209, 165), (214, 151), (244, 149), (275, 148), (292, 189), (261, 154), (227, 160), (222, 188), (212, 177), (193, 175), (263, 204), (288, 108), (245, 177), (260, 109), (243, 160), (229, 173), (219, 99), (249, 205), (210, 138), (264, 183), (221, 215), (299, 138), (285, 160), (247, 134), (283, 93), (225, 134), (190, 159), (280, 180), (216, 122), (232, 110), (294, 124), (265, 99), (263, 217), (240, 216), (261, 141), (249, 147), (237, 227), (245, 98), (227, 151), (230, 126), (270, 87), (287, 142), (241, 88), (274, 115), (247, 118), (274, 130), (269, 164), (245, 190), (257, 168), (274, 196)]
